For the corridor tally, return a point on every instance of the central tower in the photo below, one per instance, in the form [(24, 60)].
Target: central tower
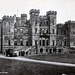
[(51, 15), (34, 22)]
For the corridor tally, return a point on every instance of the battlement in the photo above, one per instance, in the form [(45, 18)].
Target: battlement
[(60, 25), (52, 13), (7, 17), (34, 11), (68, 22), (23, 15), (18, 18), (43, 17)]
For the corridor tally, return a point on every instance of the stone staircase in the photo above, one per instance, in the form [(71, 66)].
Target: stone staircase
[(28, 50)]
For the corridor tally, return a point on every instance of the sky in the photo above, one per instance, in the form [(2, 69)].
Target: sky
[(65, 8)]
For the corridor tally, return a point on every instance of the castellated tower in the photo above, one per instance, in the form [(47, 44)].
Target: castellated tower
[(23, 18), (34, 22), (51, 16), (8, 32)]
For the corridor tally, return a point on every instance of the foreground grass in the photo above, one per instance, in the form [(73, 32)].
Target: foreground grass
[(16, 67), (65, 58)]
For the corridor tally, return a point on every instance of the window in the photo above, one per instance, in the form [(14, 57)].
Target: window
[(35, 30), (21, 43), (15, 43), (46, 50), (35, 42), (43, 42), (9, 42), (40, 43), (36, 22), (26, 43), (41, 50), (47, 42), (53, 42), (53, 31), (57, 32)]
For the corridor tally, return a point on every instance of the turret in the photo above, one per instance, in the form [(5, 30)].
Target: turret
[(34, 15), (23, 18), (51, 13)]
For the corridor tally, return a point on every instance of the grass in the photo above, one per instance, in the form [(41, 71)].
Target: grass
[(66, 58), (15, 67)]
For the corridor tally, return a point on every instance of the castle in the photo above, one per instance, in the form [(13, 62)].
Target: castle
[(38, 35)]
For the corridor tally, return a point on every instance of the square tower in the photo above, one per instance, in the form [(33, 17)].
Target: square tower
[(51, 16), (34, 22)]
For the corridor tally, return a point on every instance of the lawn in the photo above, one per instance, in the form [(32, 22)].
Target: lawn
[(16, 67), (66, 58)]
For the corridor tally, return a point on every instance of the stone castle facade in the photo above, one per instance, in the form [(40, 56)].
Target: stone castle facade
[(39, 34)]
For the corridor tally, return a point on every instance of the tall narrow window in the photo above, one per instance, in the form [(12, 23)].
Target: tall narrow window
[(53, 21), (40, 42), (53, 42), (53, 31), (35, 42), (47, 42), (47, 31), (21, 43), (43, 42), (26, 43), (65, 32), (9, 42), (15, 43)]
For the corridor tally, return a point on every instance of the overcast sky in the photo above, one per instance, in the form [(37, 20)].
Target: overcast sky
[(65, 8)]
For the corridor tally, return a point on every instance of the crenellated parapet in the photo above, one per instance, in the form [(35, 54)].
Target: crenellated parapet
[(23, 15), (34, 11), (6, 17), (68, 22), (52, 13)]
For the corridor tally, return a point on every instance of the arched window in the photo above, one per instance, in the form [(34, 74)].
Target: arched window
[(41, 50)]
